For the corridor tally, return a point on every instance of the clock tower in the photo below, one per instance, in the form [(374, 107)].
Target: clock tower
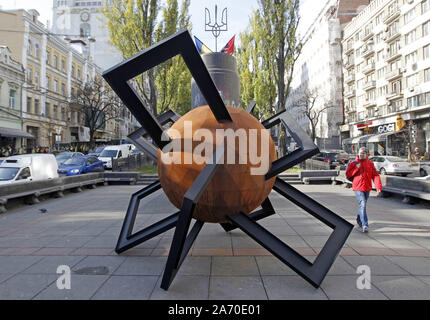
[(84, 20)]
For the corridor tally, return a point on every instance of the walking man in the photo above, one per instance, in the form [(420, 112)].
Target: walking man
[(363, 171)]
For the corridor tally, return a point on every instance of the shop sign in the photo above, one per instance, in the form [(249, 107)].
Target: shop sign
[(386, 128)]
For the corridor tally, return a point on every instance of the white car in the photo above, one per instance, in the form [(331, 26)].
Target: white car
[(392, 165), (426, 178), (424, 169)]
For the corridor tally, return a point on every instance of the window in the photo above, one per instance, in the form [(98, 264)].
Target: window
[(412, 80), (24, 174), (63, 114), (73, 71), (394, 47), (85, 30), (47, 110), (380, 55), (29, 48), (29, 75), (426, 28), (36, 106), (37, 53), (381, 72), (48, 83), (410, 15), (73, 92), (28, 104), (55, 86), (425, 6), (63, 89), (426, 51), (410, 37), (427, 75), (48, 57), (63, 65), (12, 99), (79, 73), (55, 62), (36, 78), (396, 87), (393, 28), (55, 112), (411, 58), (380, 17)]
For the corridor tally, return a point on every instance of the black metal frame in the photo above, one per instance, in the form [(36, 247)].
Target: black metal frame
[(181, 43)]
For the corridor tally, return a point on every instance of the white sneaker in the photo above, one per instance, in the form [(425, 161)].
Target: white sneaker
[(365, 229)]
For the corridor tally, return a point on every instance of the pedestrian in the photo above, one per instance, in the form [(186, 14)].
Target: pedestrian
[(363, 171), (417, 154)]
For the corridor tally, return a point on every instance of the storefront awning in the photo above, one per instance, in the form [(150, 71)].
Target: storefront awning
[(347, 141), (362, 139), (15, 133), (383, 136)]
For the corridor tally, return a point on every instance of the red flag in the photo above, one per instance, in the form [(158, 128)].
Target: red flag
[(229, 47)]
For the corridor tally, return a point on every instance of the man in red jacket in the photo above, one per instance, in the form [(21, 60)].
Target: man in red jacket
[(363, 171)]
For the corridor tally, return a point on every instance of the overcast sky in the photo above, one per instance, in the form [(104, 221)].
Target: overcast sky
[(238, 12)]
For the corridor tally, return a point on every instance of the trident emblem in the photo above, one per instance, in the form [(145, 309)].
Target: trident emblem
[(214, 27)]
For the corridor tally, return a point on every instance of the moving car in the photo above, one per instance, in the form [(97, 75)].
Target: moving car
[(424, 169), (63, 156), (392, 165), (28, 167), (79, 165), (115, 152), (96, 152), (333, 157)]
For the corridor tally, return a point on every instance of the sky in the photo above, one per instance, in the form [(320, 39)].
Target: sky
[(238, 13)]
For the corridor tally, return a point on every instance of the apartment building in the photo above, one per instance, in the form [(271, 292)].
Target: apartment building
[(54, 70), (11, 81), (386, 54), (317, 79)]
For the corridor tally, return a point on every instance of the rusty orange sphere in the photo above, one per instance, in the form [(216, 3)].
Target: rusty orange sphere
[(233, 188)]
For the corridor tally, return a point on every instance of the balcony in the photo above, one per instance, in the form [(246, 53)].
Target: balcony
[(369, 103), (367, 51), (368, 34), (351, 110), (392, 14), (393, 55), (369, 68), (349, 64), (369, 85), (397, 73), (349, 49), (392, 36), (350, 78), (394, 95), (350, 93)]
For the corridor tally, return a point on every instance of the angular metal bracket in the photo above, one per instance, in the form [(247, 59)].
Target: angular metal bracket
[(315, 272)]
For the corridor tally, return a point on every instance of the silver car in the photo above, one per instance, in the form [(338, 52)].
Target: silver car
[(392, 165), (424, 169)]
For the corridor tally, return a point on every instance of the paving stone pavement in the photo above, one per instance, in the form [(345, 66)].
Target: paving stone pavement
[(80, 232)]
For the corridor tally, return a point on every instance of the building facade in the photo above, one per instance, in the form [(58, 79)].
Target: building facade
[(12, 78), (82, 20), (386, 51), (317, 79), (54, 71)]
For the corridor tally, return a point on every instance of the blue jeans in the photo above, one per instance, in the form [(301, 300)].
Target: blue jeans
[(362, 197)]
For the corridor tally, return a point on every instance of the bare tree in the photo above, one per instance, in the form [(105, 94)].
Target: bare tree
[(309, 106), (99, 105)]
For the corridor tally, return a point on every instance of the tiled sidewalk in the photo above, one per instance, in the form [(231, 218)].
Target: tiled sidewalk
[(81, 230)]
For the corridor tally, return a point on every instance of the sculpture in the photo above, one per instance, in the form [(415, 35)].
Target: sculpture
[(197, 189)]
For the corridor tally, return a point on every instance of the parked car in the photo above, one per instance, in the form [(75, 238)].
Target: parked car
[(426, 178), (79, 165), (392, 165), (424, 169), (63, 156), (28, 167), (115, 152), (333, 157), (96, 152)]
